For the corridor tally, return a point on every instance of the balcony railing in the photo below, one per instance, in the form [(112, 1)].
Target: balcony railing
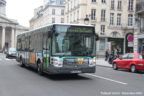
[(120, 27)]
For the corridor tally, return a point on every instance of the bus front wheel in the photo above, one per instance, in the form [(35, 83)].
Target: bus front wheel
[(21, 63)]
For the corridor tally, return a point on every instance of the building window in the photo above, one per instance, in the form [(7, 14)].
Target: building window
[(77, 15), (114, 34), (74, 2), (53, 11), (62, 12), (67, 19), (68, 6), (111, 18), (142, 25), (130, 20), (119, 19), (119, 4), (103, 12), (62, 20), (102, 29), (74, 17), (130, 5), (71, 5), (112, 4), (53, 20), (93, 0), (103, 1), (93, 14)]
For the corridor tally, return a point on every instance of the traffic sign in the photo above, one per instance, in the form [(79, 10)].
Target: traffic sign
[(130, 38)]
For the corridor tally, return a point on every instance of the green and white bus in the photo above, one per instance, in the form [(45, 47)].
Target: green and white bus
[(59, 49)]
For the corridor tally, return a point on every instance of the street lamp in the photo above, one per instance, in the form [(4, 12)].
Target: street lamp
[(86, 20)]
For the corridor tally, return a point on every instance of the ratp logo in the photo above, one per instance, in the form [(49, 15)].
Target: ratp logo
[(80, 60)]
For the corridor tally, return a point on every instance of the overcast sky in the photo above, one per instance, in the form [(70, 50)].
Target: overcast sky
[(22, 10)]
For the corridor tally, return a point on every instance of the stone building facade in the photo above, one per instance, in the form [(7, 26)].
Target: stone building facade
[(51, 12), (139, 32), (113, 21), (8, 29)]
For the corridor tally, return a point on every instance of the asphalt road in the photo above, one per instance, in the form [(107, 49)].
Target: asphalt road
[(18, 81)]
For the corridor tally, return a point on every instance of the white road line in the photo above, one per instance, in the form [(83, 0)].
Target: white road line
[(107, 79), (7, 59)]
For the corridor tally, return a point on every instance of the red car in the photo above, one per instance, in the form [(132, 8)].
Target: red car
[(130, 61)]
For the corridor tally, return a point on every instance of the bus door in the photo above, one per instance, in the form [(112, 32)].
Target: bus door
[(46, 52)]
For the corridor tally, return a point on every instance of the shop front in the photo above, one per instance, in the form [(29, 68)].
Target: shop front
[(141, 43), (116, 44)]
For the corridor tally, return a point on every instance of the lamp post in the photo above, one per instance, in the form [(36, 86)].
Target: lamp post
[(86, 20)]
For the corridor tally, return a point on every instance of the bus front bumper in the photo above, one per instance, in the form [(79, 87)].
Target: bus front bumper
[(72, 70)]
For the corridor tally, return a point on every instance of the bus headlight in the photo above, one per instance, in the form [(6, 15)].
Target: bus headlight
[(92, 62), (56, 62)]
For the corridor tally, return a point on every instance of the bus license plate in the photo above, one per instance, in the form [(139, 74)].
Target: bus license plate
[(76, 71)]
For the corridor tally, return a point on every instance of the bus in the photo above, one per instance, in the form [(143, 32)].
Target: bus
[(59, 49)]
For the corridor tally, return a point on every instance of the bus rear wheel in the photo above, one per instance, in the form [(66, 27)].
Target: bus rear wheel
[(39, 69)]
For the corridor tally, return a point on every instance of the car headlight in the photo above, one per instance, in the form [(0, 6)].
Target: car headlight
[(92, 62), (9, 53), (57, 62)]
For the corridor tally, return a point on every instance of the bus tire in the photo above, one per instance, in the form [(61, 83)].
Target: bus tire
[(39, 69), (21, 63)]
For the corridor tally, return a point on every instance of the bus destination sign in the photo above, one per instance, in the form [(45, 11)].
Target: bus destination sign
[(80, 30)]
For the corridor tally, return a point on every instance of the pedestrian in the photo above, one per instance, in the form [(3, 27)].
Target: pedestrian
[(115, 52), (131, 51), (106, 55), (118, 52)]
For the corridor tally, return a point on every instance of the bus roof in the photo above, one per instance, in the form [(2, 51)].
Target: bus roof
[(47, 26)]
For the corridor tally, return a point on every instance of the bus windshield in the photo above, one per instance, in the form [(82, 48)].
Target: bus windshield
[(73, 44)]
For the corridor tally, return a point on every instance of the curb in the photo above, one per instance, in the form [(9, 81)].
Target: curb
[(104, 66)]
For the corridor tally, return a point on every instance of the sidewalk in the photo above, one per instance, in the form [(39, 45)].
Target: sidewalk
[(102, 62)]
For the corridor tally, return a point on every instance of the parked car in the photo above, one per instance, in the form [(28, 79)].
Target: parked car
[(11, 52), (130, 61)]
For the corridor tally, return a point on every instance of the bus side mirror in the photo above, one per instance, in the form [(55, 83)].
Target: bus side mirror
[(96, 37), (56, 34), (50, 34)]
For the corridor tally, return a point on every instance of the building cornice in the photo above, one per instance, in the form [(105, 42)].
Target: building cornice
[(8, 20), (3, 2)]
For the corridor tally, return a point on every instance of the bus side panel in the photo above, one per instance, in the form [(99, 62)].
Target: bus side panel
[(27, 57), (32, 58)]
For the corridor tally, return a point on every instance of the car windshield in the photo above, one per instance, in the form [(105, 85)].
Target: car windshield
[(12, 50), (141, 56), (73, 44)]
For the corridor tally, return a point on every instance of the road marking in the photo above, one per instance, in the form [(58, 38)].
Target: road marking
[(7, 59), (107, 79)]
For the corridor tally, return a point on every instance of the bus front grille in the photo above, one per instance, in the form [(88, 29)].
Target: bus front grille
[(75, 62)]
